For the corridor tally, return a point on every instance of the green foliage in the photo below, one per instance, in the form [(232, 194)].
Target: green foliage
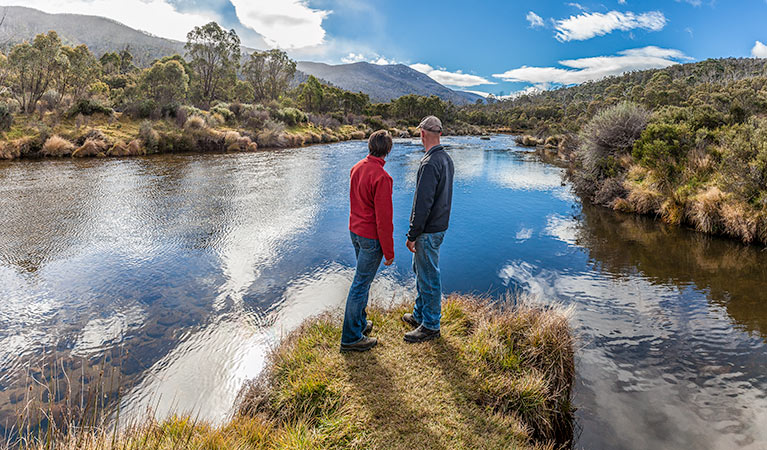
[(89, 107), (290, 116), (317, 97), (663, 147), (166, 82), (413, 108), (214, 55), (34, 68), (6, 118), (743, 167), (269, 73), (223, 110)]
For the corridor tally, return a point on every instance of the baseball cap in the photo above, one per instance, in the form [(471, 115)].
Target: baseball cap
[(431, 123)]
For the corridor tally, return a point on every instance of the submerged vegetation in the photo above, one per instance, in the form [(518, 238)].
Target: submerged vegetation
[(500, 377)]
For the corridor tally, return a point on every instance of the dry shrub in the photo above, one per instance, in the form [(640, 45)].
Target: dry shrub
[(57, 146), (739, 221), (273, 135), (134, 148), (704, 210), (9, 150), (609, 190), (91, 147), (672, 212), (359, 134), (644, 200), (608, 135), (528, 141), (195, 123)]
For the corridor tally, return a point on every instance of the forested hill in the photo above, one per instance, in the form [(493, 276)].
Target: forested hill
[(567, 109)]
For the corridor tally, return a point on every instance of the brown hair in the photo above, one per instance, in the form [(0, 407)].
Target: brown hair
[(380, 143)]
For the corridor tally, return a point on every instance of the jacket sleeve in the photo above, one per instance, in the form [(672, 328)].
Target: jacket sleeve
[(425, 189), (383, 209)]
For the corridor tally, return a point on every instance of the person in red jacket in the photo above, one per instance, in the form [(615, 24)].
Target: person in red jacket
[(371, 228)]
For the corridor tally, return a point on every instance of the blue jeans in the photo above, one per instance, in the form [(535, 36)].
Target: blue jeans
[(369, 255), (428, 304)]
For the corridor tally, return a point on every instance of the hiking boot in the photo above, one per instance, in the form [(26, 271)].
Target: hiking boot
[(368, 328), (421, 334), (362, 346), (410, 320)]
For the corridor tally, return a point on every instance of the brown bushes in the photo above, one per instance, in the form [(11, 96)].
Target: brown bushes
[(91, 147), (528, 141), (57, 146)]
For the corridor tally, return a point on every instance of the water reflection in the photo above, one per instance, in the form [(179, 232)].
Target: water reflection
[(176, 274)]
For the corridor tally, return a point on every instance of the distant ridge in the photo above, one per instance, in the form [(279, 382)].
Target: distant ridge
[(102, 35), (384, 82)]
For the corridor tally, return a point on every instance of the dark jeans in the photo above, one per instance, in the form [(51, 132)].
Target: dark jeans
[(428, 304), (369, 255)]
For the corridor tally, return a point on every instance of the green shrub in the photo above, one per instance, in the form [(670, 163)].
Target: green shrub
[(143, 109), (149, 136), (88, 107), (290, 116), (6, 118), (222, 109), (663, 148)]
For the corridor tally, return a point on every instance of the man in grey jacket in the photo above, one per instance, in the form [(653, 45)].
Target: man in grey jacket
[(428, 223)]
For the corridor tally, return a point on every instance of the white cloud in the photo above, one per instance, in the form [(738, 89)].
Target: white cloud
[(534, 19), (157, 17), (458, 79), (581, 70), (286, 24), (759, 50), (359, 57), (588, 25)]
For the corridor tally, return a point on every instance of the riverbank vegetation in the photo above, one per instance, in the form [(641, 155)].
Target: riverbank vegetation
[(57, 100), (687, 144), (500, 377)]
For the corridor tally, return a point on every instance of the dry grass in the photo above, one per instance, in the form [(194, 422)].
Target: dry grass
[(57, 146), (91, 147), (499, 378)]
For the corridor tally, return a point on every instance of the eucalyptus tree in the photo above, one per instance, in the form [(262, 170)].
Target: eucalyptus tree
[(34, 68), (214, 55), (166, 82), (270, 73), (79, 70)]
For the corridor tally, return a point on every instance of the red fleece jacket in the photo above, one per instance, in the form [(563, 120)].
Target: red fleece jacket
[(371, 206)]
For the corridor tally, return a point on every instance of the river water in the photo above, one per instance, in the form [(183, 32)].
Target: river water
[(165, 280)]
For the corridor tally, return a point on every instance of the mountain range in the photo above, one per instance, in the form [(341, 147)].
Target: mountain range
[(381, 82)]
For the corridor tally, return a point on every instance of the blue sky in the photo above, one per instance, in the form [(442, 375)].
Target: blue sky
[(495, 46)]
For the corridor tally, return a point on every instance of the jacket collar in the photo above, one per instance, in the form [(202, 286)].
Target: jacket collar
[(376, 159), (434, 149)]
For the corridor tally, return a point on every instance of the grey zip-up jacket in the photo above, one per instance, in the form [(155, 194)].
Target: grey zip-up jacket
[(433, 194)]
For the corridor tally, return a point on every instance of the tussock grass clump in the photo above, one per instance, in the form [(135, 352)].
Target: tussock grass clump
[(91, 147), (498, 378), (57, 146)]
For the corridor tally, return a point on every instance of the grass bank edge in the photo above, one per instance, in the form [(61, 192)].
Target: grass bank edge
[(500, 377)]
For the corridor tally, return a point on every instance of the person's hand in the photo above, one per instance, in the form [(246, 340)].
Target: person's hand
[(411, 245), (389, 262)]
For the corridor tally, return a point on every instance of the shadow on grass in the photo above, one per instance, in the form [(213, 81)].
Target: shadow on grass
[(386, 403)]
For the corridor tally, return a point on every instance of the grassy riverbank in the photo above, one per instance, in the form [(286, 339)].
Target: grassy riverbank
[(498, 379)]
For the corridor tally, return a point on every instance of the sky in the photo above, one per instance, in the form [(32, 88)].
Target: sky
[(499, 47)]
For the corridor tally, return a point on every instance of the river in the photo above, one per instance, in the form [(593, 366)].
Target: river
[(172, 276)]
